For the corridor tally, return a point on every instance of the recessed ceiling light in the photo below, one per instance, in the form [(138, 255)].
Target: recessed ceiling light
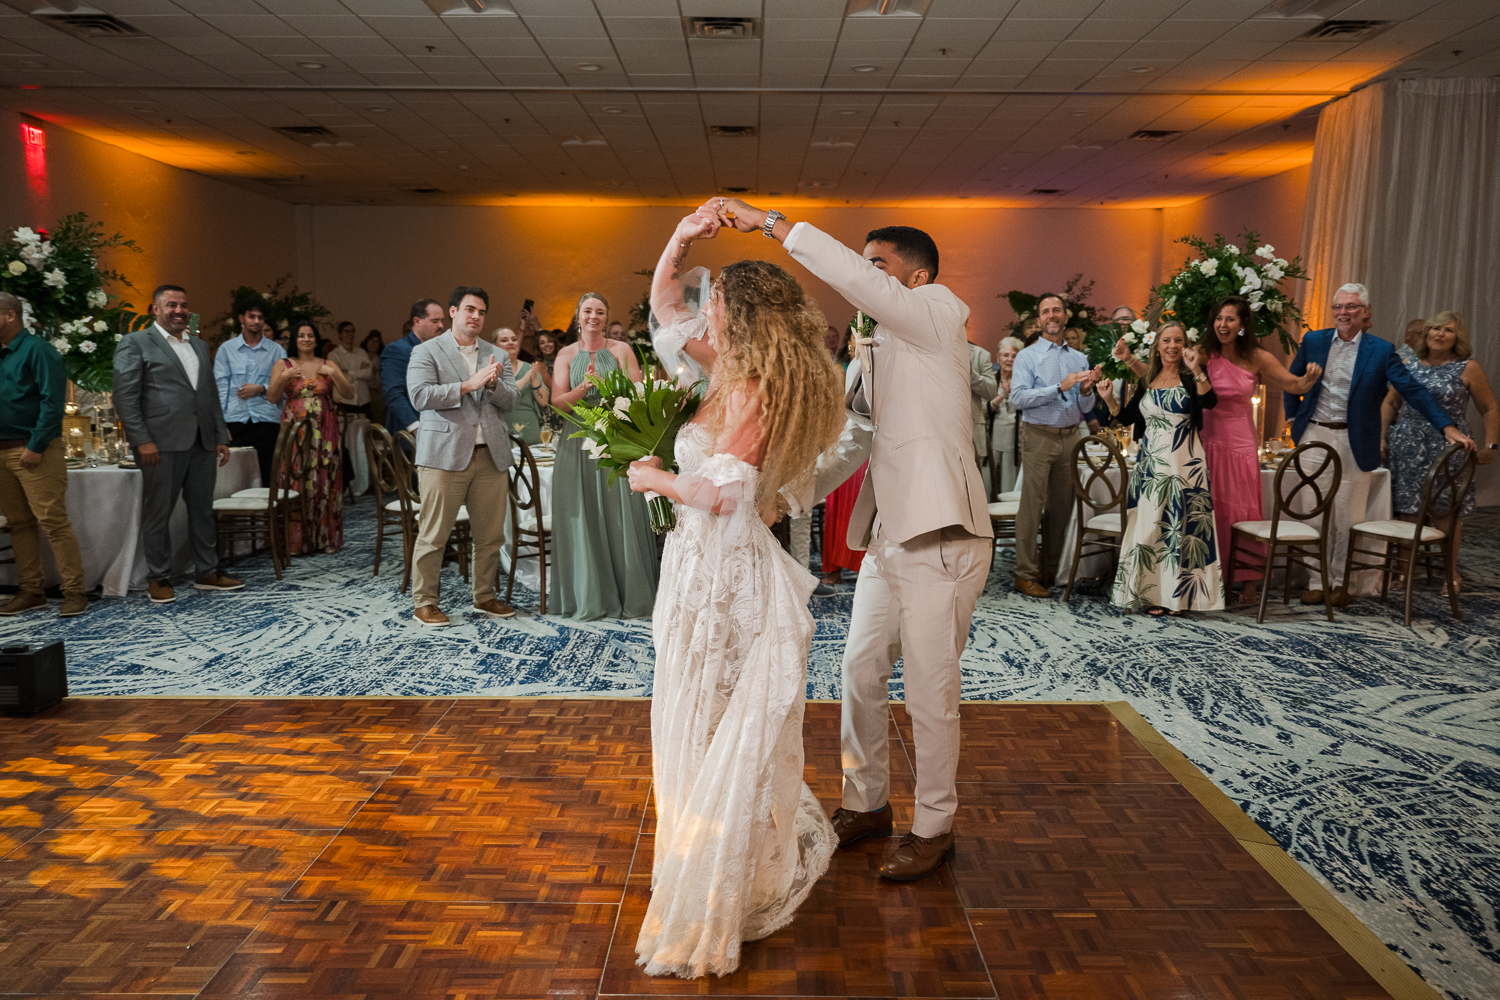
[(613, 111), (310, 65), (637, 150), (1141, 69), (378, 109), (463, 166), (865, 69), (588, 67)]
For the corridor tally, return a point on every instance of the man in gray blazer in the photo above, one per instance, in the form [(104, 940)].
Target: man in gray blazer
[(169, 403), (461, 387)]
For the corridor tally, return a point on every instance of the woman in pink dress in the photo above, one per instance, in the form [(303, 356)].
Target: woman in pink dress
[(1231, 444)]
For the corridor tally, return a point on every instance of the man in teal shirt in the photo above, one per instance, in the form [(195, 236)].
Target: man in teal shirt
[(33, 469)]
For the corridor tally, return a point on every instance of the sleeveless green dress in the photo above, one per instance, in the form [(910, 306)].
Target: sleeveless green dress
[(604, 561), (527, 413)]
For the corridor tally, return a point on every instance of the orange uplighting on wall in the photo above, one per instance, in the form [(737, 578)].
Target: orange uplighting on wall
[(34, 140)]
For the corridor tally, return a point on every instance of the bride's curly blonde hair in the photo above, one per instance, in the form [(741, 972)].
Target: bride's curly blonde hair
[(774, 333)]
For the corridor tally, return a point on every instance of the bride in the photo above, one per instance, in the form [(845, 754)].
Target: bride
[(740, 840)]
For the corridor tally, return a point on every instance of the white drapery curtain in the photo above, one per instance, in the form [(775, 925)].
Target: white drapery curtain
[(1404, 197)]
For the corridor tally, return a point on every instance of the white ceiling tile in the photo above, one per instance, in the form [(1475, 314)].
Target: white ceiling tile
[(1014, 29)]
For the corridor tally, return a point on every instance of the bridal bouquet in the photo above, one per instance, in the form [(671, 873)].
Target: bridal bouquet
[(633, 421)]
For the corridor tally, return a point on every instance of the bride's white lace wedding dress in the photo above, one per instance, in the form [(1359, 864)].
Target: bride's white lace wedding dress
[(740, 840)]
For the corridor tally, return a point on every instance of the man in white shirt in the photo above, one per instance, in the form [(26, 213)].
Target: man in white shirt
[(359, 368), (168, 401)]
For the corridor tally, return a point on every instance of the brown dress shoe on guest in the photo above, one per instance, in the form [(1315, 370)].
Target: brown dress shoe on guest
[(495, 609), (73, 605), (161, 592), (851, 826), (1031, 588), (1341, 597), (428, 614), (1312, 597), (917, 857), (23, 602), (218, 581)]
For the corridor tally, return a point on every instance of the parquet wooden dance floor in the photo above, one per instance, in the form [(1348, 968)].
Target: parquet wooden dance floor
[(473, 849)]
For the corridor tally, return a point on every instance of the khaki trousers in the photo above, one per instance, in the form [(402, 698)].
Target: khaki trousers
[(913, 599), (1046, 498), (33, 497), (485, 490)]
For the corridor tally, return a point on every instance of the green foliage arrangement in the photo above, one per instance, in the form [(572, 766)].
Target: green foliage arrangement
[(283, 307), (1223, 268), (61, 284)]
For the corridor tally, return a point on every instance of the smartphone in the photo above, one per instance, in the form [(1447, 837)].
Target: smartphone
[(527, 306)]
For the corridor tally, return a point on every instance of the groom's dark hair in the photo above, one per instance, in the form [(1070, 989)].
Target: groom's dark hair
[(912, 245)]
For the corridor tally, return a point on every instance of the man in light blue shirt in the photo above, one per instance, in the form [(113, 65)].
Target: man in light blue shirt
[(1052, 388), (242, 370)]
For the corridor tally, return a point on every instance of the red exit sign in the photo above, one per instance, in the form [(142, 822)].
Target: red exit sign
[(33, 135)]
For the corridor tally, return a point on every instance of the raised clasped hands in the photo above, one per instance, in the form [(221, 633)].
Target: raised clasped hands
[(1083, 378), (1122, 351), (734, 212), (701, 225), (483, 378)]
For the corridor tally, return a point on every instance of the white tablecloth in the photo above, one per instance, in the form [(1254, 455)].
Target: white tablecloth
[(529, 572), (1377, 508), (104, 507)]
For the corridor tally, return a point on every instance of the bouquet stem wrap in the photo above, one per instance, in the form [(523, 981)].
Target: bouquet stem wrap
[(663, 518)]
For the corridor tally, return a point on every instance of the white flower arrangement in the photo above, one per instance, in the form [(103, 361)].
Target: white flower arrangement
[(55, 279), (16, 267), (60, 344), (88, 347), (1249, 269)]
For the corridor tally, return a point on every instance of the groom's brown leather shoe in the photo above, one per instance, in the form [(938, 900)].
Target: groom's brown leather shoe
[(853, 826), (917, 857)]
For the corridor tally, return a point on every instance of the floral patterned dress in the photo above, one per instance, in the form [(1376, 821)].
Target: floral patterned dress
[(1169, 555), (323, 483), (1414, 444)]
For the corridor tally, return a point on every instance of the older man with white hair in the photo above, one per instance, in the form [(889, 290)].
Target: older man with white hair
[(1343, 411)]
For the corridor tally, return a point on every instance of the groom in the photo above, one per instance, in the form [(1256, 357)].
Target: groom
[(921, 518)]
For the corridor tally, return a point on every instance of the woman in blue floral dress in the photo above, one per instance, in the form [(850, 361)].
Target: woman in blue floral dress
[(1445, 369), (1169, 557)]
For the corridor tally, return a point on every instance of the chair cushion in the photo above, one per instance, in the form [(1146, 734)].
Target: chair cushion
[(1011, 495), (1104, 522), (1287, 531), (1402, 530), (528, 522), (244, 504), (262, 492), (1005, 508)]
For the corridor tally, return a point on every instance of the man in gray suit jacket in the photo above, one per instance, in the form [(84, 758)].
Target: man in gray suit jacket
[(169, 403), (461, 386)]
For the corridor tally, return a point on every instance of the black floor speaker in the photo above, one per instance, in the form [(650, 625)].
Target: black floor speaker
[(32, 679)]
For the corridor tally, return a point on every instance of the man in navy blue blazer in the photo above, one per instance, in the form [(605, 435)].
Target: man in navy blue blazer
[(1343, 411), (426, 323)]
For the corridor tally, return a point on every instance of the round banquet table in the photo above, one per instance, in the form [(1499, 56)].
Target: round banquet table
[(528, 571), (104, 507), (1367, 582)]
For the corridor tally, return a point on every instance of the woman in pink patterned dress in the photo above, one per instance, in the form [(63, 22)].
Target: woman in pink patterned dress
[(1231, 444), (308, 383)]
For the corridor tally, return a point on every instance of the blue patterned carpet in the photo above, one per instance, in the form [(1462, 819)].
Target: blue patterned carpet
[(1370, 751)]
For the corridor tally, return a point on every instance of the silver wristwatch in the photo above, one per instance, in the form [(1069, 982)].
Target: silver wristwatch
[(771, 218)]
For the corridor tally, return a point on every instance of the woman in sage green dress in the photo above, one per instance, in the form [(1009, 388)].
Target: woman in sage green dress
[(526, 419), (604, 561)]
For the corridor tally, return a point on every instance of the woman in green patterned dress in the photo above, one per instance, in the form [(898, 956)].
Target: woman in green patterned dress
[(1169, 557), (604, 561)]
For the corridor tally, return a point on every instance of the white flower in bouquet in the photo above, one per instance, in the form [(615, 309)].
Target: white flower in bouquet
[(1281, 263), (1274, 306), (601, 425), (1192, 335), (98, 299), (1150, 338), (1255, 300), (595, 449), (119, 337), (16, 267), (88, 347), (25, 313), (60, 344), (100, 326), (1209, 267), (26, 235), (1267, 252), (621, 408), (1140, 326), (55, 279), (1232, 248), (283, 325), (1251, 281)]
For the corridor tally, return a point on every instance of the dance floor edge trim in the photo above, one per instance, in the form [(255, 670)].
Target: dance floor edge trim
[(1357, 940)]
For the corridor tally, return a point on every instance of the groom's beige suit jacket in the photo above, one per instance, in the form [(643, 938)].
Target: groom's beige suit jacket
[(922, 475)]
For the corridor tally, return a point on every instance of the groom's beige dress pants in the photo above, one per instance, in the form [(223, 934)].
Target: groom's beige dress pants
[(913, 599)]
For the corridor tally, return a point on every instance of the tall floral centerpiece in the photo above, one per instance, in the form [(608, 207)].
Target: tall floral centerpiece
[(283, 307), (1223, 268), (61, 284)]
